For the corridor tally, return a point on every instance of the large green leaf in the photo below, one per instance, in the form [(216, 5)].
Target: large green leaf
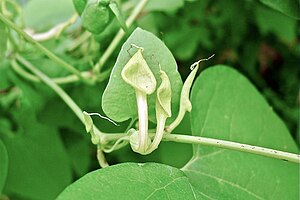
[(270, 21), (227, 106), (119, 100), (289, 7), (39, 167), (3, 166), (44, 14), (131, 181)]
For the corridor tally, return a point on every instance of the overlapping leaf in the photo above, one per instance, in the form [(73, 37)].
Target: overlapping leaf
[(119, 100), (227, 106), (288, 7), (131, 181)]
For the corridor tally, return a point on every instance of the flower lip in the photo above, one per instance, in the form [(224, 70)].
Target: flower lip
[(137, 73)]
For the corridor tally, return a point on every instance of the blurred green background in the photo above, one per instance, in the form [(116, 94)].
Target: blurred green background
[(46, 144)]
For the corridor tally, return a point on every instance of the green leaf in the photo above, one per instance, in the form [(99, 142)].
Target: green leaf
[(287, 7), (185, 50), (39, 166), (96, 17), (227, 106), (78, 149), (79, 5), (270, 21), (5, 70), (119, 100), (3, 40), (170, 6), (116, 10), (131, 181), (41, 15), (3, 166)]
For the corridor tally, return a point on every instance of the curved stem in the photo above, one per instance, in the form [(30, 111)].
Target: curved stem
[(74, 107), (19, 70), (177, 120), (68, 100), (43, 49), (142, 106), (61, 80), (159, 133), (119, 36), (233, 146), (121, 142), (55, 31), (101, 157)]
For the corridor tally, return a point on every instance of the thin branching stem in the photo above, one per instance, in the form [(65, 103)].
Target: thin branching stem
[(44, 50), (117, 39), (67, 99)]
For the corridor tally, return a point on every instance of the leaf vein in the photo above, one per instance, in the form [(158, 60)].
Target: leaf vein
[(229, 183)]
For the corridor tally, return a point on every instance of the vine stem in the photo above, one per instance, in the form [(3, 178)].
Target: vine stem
[(63, 80), (136, 11), (55, 31), (68, 100), (166, 137), (233, 146), (43, 49), (189, 139)]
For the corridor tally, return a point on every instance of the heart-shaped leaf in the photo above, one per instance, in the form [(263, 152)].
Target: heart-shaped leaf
[(119, 100), (131, 181), (227, 106)]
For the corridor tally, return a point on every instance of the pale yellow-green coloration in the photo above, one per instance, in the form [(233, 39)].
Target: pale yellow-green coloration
[(162, 108), (134, 141), (185, 103), (137, 73), (89, 128), (164, 94)]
